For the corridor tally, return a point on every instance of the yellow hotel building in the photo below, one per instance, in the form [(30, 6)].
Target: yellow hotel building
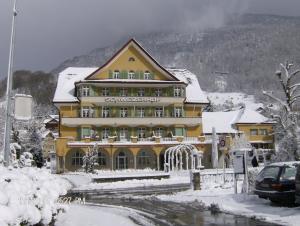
[(132, 108)]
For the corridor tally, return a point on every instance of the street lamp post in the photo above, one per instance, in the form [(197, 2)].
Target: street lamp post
[(9, 88)]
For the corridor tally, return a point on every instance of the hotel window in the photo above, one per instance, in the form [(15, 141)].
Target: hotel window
[(87, 112), (101, 159), (86, 132), (253, 132), (158, 92), (141, 112), (144, 159), (263, 132), (159, 112), (177, 91), (141, 92), (147, 75), (124, 112), (105, 112), (116, 75), (105, 133), (123, 133), (142, 132), (159, 132), (105, 92), (77, 158), (123, 92), (178, 112), (85, 91), (131, 75)]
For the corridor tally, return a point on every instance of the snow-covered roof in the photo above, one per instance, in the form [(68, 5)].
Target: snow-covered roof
[(250, 116), (50, 118), (66, 83), (67, 79), (194, 93), (224, 121)]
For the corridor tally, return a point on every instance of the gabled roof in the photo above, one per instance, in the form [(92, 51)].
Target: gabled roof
[(224, 122), (140, 49)]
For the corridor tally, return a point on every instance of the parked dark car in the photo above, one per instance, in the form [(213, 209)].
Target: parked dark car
[(276, 182), (297, 186)]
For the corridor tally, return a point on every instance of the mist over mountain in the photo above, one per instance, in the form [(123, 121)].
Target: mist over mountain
[(240, 56)]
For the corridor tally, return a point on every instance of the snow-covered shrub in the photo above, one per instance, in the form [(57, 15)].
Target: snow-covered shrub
[(26, 159), (29, 195)]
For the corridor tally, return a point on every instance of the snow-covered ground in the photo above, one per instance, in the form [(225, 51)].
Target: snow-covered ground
[(233, 99), (79, 215), (240, 204), (28, 195), (83, 181)]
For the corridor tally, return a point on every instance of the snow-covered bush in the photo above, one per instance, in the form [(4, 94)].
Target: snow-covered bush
[(26, 159), (28, 196)]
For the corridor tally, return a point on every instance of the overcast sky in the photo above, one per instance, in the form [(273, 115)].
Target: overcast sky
[(50, 31)]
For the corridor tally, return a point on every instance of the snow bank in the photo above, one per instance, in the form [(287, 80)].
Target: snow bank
[(78, 215), (29, 195), (83, 181)]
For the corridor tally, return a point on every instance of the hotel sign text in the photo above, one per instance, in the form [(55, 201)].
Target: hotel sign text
[(131, 99)]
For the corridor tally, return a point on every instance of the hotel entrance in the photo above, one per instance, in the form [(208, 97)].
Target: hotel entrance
[(123, 159)]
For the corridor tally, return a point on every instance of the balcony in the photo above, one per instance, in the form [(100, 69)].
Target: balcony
[(132, 121), (136, 141), (131, 100)]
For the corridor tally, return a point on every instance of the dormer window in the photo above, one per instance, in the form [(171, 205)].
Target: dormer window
[(116, 75), (147, 75), (85, 91), (131, 75)]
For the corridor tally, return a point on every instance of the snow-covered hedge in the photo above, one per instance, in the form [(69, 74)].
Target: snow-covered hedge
[(28, 195)]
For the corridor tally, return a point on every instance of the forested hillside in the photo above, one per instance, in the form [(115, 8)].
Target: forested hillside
[(242, 56)]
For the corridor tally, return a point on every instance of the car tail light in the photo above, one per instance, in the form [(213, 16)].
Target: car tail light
[(277, 187)]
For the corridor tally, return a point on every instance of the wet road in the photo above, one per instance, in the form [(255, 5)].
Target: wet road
[(168, 213)]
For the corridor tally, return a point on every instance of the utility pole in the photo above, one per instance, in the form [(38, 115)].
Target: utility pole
[(9, 89)]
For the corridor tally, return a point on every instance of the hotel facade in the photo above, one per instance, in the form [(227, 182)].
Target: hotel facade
[(132, 108)]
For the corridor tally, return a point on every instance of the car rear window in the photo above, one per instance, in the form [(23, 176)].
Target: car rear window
[(269, 172), (288, 173)]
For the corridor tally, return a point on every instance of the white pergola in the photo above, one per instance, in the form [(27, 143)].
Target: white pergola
[(174, 157)]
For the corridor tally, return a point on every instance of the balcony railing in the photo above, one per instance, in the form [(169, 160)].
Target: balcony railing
[(134, 140), (132, 121)]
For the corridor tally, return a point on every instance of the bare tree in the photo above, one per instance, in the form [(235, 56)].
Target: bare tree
[(288, 115)]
